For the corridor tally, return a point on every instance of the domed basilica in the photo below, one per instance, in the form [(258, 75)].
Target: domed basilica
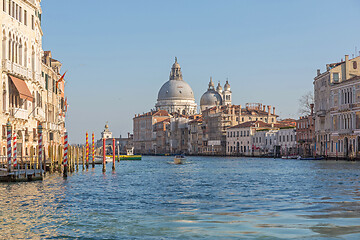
[(176, 95)]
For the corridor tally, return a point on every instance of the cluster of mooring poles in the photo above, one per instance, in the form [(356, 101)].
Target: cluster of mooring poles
[(94, 158), (62, 158)]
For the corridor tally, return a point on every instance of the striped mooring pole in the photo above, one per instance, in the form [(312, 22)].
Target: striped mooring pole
[(8, 128), (93, 150), (87, 150), (66, 155), (40, 143), (113, 147), (104, 155), (15, 150)]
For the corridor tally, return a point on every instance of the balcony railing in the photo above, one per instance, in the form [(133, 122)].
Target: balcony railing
[(16, 69), (19, 113)]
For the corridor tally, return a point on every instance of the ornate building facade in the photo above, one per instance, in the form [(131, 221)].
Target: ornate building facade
[(30, 92), (337, 109)]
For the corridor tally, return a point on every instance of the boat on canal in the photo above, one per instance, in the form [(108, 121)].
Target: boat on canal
[(178, 159)]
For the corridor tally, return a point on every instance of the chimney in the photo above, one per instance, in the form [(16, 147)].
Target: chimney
[(128, 135), (318, 72), (240, 110), (327, 67), (312, 108), (347, 67), (269, 107), (274, 110), (264, 108)]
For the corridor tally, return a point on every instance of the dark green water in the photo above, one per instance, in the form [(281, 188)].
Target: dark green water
[(205, 198)]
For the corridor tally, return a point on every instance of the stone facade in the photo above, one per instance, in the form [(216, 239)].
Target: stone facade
[(27, 98), (144, 131), (217, 119), (305, 135), (336, 105)]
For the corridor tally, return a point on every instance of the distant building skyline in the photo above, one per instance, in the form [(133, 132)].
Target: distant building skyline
[(118, 56)]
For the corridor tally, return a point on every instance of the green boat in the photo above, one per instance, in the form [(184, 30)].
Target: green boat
[(130, 157)]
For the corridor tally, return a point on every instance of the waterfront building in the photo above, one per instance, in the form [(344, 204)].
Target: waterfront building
[(345, 117), (195, 141), (27, 98), (336, 94), (176, 95), (305, 134), (257, 138), (162, 138), (178, 134), (286, 140), (218, 97), (217, 119), (50, 105), (144, 132)]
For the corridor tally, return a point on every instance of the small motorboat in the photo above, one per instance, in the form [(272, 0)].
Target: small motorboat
[(178, 159)]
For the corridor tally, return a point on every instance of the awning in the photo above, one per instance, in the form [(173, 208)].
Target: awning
[(22, 88)]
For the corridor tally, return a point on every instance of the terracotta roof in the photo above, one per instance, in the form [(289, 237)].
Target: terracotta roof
[(154, 113)]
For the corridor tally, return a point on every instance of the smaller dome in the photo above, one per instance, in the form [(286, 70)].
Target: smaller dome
[(209, 99), (227, 86)]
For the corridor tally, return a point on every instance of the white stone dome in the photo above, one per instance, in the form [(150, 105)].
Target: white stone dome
[(210, 98), (175, 90)]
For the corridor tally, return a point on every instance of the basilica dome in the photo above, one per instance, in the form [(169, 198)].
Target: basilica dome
[(210, 98), (176, 95), (175, 90)]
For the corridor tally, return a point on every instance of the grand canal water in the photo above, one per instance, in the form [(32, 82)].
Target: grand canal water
[(205, 198)]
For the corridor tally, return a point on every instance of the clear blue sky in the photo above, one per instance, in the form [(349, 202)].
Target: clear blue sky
[(119, 53)]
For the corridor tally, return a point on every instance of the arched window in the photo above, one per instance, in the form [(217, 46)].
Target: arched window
[(20, 53), (9, 55), (33, 59), (4, 46), (25, 56)]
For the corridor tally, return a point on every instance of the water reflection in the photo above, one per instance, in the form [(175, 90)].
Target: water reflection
[(207, 198)]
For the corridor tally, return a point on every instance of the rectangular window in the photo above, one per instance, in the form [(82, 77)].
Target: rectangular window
[(32, 22), (46, 81), (20, 15), (336, 77), (13, 9), (54, 85), (9, 7), (25, 17), (16, 11), (4, 5)]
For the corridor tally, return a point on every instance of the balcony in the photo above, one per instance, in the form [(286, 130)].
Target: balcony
[(19, 113), (39, 114), (15, 69), (52, 126)]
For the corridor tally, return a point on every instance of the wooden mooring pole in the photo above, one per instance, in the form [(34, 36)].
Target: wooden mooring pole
[(66, 155), (87, 150), (104, 155), (113, 146)]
